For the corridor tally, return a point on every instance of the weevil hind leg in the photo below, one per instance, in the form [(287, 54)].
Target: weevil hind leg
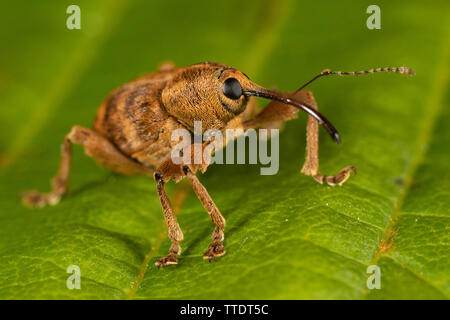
[(311, 164), (216, 248), (59, 183), (96, 146), (174, 231)]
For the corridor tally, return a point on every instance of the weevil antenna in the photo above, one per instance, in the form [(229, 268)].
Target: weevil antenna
[(326, 72), (300, 105)]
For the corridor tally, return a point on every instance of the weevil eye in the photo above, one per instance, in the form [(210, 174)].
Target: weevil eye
[(232, 89)]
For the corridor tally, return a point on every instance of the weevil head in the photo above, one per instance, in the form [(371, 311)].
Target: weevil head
[(214, 94), (207, 92)]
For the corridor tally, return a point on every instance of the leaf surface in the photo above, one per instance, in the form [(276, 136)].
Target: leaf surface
[(286, 236)]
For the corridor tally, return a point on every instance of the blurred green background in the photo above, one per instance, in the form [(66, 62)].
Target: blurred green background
[(287, 236)]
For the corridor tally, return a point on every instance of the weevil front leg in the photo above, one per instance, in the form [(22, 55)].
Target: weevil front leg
[(96, 146), (216, 248), (277, 111), (169, 170), (174, 230), (311, 165)]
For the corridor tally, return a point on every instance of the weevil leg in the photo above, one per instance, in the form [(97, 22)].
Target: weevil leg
[(174, 230), (59, 183), (311, 164), (96, 146), (216, 248), (276, 111), (166, 66), (251, 110)]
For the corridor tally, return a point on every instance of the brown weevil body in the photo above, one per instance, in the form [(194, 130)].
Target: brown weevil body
[(133, 127)]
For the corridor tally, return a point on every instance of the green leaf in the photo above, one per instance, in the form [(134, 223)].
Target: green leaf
[(286, 236)]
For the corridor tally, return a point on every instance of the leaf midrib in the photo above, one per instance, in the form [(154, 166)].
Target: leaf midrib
[(432, 110)]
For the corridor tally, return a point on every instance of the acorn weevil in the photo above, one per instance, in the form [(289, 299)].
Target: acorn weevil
[(132, 132)]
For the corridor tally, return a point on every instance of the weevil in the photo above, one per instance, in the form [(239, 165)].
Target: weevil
[(132, 133)]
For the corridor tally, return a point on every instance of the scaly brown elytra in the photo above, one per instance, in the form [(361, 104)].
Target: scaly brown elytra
[(132, 133)]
